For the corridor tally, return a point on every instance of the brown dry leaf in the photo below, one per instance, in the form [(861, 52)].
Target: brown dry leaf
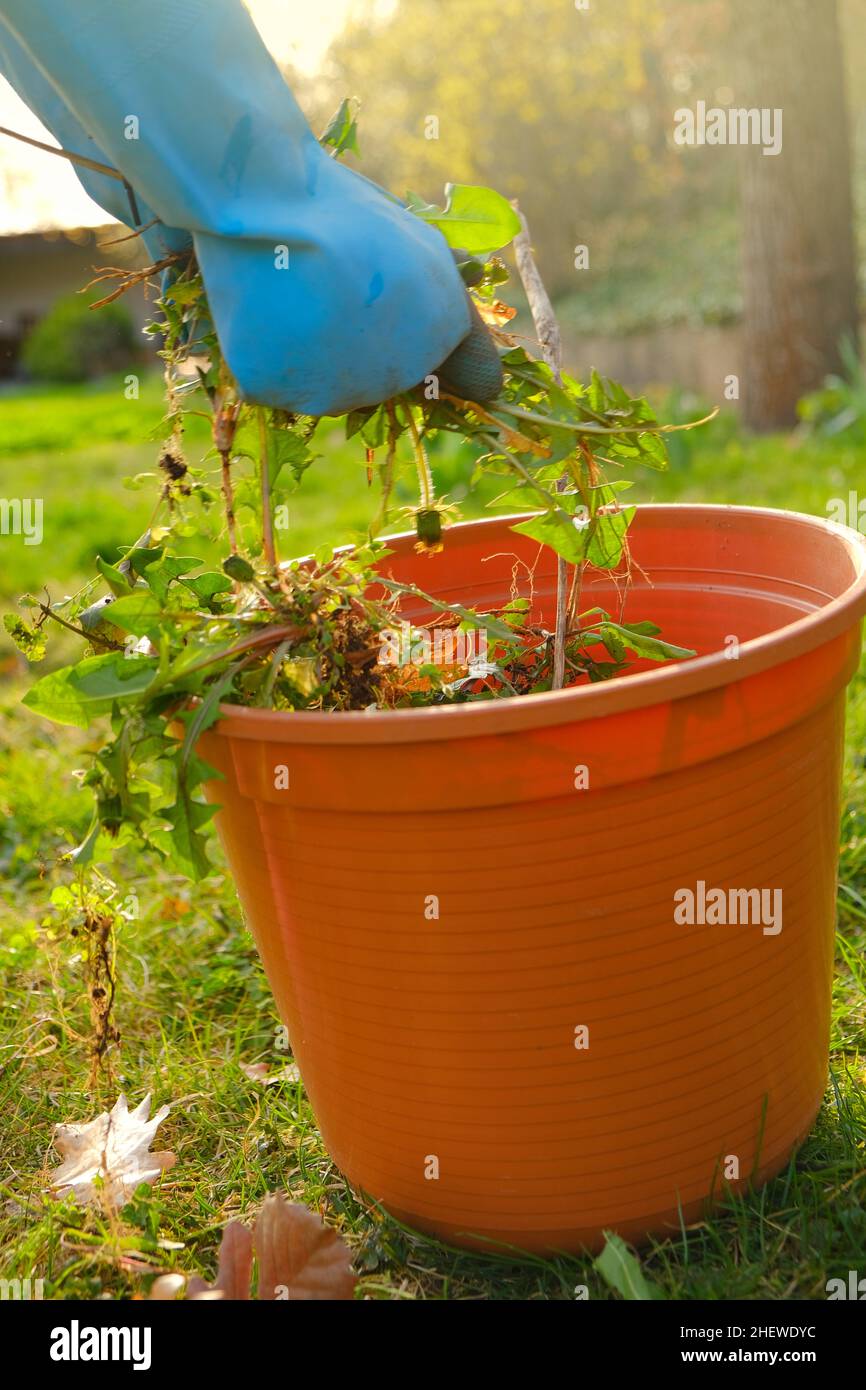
[(255, 1071), (496, 313), (260, 1071), (114, 1147), (512, 436), (299, 1257), (236, 1261), (289, 1073), (166, 1288), (175, 908), (521, 443)]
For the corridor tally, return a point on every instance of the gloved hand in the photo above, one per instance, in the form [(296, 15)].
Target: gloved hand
[(184, 99)]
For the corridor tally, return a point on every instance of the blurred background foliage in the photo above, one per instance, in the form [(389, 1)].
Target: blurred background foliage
[(572, 113), (70, 343)]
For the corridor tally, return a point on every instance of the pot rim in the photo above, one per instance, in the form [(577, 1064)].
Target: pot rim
[(513, 713)]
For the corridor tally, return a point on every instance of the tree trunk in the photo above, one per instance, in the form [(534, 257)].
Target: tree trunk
[(799, 261)]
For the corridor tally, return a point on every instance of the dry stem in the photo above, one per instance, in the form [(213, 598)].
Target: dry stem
[(267, 518), (550, 341)]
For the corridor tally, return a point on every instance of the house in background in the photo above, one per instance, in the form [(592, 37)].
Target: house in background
[(37, 268)]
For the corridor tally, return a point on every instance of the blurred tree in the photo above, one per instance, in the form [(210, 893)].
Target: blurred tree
[(569, 110), (799, 263), (573, 112)]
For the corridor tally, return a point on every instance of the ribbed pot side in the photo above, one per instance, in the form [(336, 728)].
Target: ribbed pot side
[(468, 916)]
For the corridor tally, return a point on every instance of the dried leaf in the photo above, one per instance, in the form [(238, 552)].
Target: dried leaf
[(255, 1071), (113, 1147), (167, 1287), (496, 313), (260, 1071), (298, 1256), (236, 1262), (174, 908), (198, 1290)]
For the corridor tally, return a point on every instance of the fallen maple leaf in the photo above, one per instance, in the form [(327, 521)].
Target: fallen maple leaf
[(113, 1147), (260, 1071), (299, 1258), (255, 1071), (236, 1261)]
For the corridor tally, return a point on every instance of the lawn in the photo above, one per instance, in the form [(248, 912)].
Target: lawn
[(192, 1001)]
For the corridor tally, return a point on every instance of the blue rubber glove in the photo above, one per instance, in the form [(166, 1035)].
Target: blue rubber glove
[(370, 302), (34, 88)]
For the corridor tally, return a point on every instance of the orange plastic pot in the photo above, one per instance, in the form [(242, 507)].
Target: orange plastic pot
[(468, 916)]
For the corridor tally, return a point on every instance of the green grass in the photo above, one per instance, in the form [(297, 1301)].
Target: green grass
[(192, 1001), (79, 451)]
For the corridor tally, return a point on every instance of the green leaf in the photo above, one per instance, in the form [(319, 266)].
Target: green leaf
[(206, 586), (142, 556), (641, 643), (302, 675), (29, 640), (517, 612), (558, 530), (186, 818), (370, 422), (137, 481), (287, 449), (161, 574), (184, 292), (205, 713), (236, 567), (341, 132), (78, 694), (83, 853), (356, 418), (603, 494), (653, 450), (421, 208), (139, 613), (613, 641), (474, 219), (621, 1270), (493, 626), (117, 581), (596, 394), (606, 537), (471, 271)]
